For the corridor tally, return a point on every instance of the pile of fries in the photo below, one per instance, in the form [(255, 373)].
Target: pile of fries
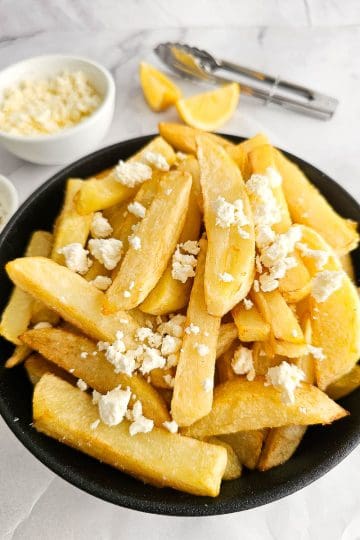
[(192, 312)]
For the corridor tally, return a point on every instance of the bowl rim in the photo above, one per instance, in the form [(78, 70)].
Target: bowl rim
[(86, 122), (217, 507), (13, 197)]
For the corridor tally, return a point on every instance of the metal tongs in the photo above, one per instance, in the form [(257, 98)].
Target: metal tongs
[(198, 64)]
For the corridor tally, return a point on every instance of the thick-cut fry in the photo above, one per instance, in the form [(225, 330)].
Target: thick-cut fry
[(336, 321), (228, 252), (264, 359), (70, 226), (280, 444), (241, 405), (308, 206), (261, 158), (250, 324), (99, 194), (170, 294), (65, 413), (194, 379), (224, 368), (20, 353), (240, 153), (345, 385), (233, 465), (277, 313), (17, 314), (36, 366), (246, 445), (64, 349), (96, 269), (69, 295), (142, 268), (291, 350), (347, 264), (295, 285), (227, 335), (183, 138)]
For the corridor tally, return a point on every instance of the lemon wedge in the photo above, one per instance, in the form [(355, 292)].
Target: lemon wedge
[(209, 110), (158, 90)]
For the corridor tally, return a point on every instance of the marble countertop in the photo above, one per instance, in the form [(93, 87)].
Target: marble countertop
[(314, 42)]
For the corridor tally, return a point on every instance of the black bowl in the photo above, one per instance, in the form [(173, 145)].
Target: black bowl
[(321, 449)]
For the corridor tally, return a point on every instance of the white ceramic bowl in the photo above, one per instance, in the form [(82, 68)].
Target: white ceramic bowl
[(69, 144), (9, 200)]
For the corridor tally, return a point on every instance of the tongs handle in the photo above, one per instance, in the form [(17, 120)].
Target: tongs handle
[(288, 95)]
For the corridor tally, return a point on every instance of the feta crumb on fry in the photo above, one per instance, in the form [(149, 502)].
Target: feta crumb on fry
[(226, 277), (156, 159), (102, 283), (107, 251), (171, 426), (242, 363), (132, 173), (137, 209), (286, 377), (100, 226), (76, 257), (325, 283)]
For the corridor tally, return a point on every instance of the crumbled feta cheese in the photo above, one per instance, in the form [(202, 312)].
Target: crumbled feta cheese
[(113, 406), (137, 209), (46, 106), (42, 324), (174, 327), (181, 156), (225, 277), (208, 384), (294, 332), (102, 345), (132, 173), (135, 241), (256, 285), (169, 380), (325, 283), (106, 251), (303, 410), (228, 214), (184, 264), (258, 264), (140, 423), (170, 345), (151, 359), (192, 329), (286, 377), (242, 363), (321, 257), (131, 285), (202, 349), (122, 360), (248, 304), (168, 191), (266, 211), (171, 426), (101, 282), (95, 424), (96, 397), (82, 385), (100, 227), (71, 370), (172, 360), (316, 352), (156, 159), (126, 294), (84, 355), (124, 321), (76, 257)]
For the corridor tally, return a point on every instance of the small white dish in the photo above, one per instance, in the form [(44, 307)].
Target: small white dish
[(9, 200), (69, 144)]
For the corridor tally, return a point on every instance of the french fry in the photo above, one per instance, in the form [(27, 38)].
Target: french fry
[(309, 207), (158, 377), (227, 335), (69, 295), (345, 385), (246, 445), (241, 405), (280, 444), (70, 227), (227, 251), (64, 348), (36, 366), (276, 312), (17, 314), (65, 413), (240, 153), (183, 138), (224, 368), (233, 465), (115, 214), (141, 269), (262, 361), (347, 264), (296, 283), (100, 194), (261, 158), (96, 269), (336, 321), (286, 348), (20, 353), (250, 324), (41, 313), (194, 379), (169, 294)]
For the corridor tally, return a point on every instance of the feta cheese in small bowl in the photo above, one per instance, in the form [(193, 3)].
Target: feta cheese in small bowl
[(8, 201), (54, 109)]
